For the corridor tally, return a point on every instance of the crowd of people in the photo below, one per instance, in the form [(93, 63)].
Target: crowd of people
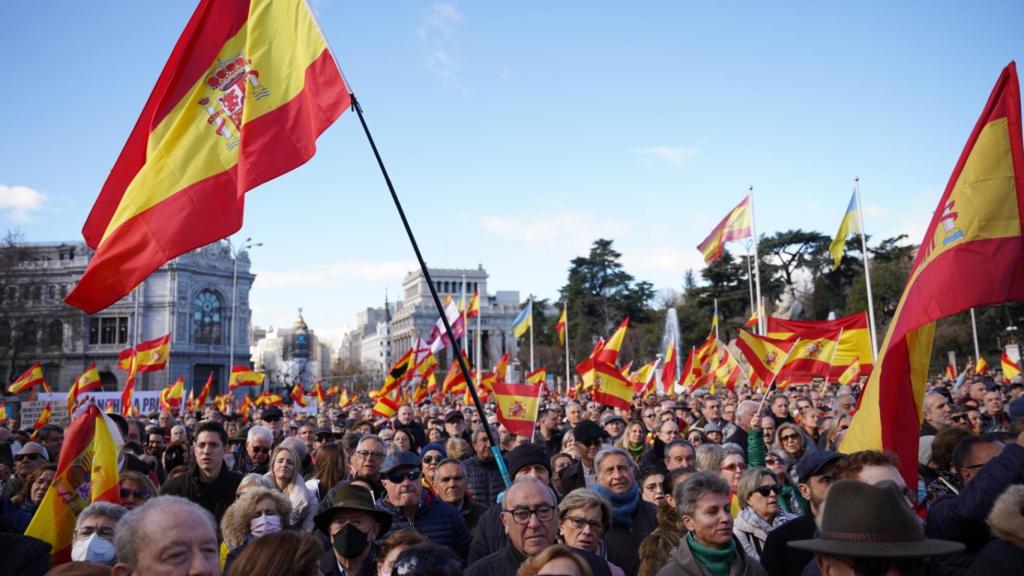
[(732, 483)]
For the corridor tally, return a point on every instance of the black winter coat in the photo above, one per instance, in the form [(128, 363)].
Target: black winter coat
[(623, 542), (215, 496), (506, 562)]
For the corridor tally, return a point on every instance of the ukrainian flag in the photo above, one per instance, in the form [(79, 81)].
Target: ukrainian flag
[(524, 321), (849, 225)]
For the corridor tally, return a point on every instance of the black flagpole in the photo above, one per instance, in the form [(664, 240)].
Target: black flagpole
[(437, 300)]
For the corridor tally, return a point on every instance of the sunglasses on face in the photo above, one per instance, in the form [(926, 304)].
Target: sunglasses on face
[(399, 477), (260, 450), (734, 467), (23, 457), (772, 461), (788, 437), (138, 494), (766, 490), (432, 459)]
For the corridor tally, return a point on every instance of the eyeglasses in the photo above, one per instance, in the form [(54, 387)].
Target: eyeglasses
[(272, 419), (369, 454), (139, 494), (772, 461), (735, 466), (105, 532), (522, 515), (29, 456), (399, 477), (788, 437), (581, 523), (432, 459), (766, 490), (589, 443), (260, 449)]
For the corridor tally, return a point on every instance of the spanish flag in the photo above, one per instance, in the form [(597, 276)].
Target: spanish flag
[(855, 342), (473, 308), (517, 406), (343, 400), (585, 368), (1010, 368), (204, 393), (849, 225), (735, 225), (386, 406), (247, 90), (44, 418), (173, 394), (610, 351), (668, 371), (611, 388), (765, 355), (150, 356), (950, 372), (298, 394), (975, 233), (538, 376), (454, 380), (244, 376), (86, 473), (268, 399), (89, 381), (129, 385), (981, 367), (851, 374), (224, 401), (318, 393), (563, 321), (3, 412), (643, 379), (31, 377)]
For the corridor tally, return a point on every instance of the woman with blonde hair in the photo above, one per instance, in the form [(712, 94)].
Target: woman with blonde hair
[(632, 440), (555, 559), (257, 512), (285, 474)]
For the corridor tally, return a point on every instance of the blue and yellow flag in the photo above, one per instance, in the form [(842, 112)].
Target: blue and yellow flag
[(524, 321), (849, 225)]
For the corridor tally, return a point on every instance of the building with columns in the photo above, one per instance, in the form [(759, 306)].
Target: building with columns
[(190, 297)]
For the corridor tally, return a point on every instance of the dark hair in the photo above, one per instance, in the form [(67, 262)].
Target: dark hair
[(427, 560), (944, 444), (213, 426), (47, 431), (849, 468), (284, 553), (329, 458), (176, 454), (965, 448), (25, 494), (401, 537), (646, 472), (673, 476), (679, 442)]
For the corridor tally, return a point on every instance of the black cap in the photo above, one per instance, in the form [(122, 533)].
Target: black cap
[(587, 431), (812, 463), (271, 412), (527, 455), (453, 415)]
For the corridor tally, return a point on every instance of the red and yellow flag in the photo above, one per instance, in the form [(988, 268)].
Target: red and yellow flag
[(854, 343), (538, 376), (975, 233), (318, 393), (89, 381), (386, 406), (764, 354), (563, 321), (244, 376), (129, 385), (668, 371), (611, 388), (333, 391), (204, 393), (400, 371), (267, 399), (44, 418), (609, 353), (950, 372), (1010, 368), (223, 402), (172, 395), (501, 369), (86, 473), (31, 377), (586, 367), (473, 308), (343, 399), (852, 373), (150, 356), (298, 394), (517, 406), (643, 379), (735, 225), (3, 412), (454, 380), (981, 367), (247, 90)]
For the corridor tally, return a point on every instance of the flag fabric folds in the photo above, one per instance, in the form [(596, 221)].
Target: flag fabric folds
[(981, 367), (855, 342), (129, 384), (524, 321), (86, 473), (563, 321), (517, 406), (31, 377), (172, 395), (44, 417), (244, 376), (975, 233), (473, 307), (1010, 368), (950, 372), (668, 371), (150, 356), (204, 393), (852, 374), (611, 388), (737, 224), (609, 353), (247, 90), (849, 225), (298, 395), (538, 376)]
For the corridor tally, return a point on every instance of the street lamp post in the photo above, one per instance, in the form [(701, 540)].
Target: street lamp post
[(247, 244)]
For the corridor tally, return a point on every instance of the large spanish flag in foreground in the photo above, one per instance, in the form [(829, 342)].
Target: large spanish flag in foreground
[(975, 233), (517, 406), (247, 90), (854, 344), (736, 224), (86, 473)]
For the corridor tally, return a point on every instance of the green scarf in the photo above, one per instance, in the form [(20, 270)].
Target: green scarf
[(635, 452), (716, 561)]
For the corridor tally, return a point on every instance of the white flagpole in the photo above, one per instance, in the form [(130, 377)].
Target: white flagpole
[(867, 271), (565, 329), (531, 333), (757, 268), (465, 318), (750, 283), (974, 332), (479, 313)]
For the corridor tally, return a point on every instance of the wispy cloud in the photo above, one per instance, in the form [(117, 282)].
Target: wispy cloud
[(674, 156), (565, 230), (337, 273), (19, 202), (437, 33)]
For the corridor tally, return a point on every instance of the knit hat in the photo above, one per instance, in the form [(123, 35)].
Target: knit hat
[(433, 446), (527, 455)]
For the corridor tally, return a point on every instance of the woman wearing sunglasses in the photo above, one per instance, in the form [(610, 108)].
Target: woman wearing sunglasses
[(431, 455), (759, 491)]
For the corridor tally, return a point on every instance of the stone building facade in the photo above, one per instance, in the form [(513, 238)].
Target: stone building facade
[(190, 297), (293, 354)]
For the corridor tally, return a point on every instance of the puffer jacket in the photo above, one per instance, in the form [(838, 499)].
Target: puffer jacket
[(684, 564), (1005, 553), (436, 520)]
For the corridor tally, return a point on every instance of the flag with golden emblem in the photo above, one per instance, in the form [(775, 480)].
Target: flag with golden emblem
[(242, 375), (851, 374), (247, 90), (855, 342), (517, 406), (611, 388), (29, 378), (974, 233), (150, 356)]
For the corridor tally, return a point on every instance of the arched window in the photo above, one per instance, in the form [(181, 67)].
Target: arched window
[(207, 317), (5, 334), (29, 333), (55, 334)]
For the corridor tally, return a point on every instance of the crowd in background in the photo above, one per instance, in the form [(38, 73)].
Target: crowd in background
[(731, 483)]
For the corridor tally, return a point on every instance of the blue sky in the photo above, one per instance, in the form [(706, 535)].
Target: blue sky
[(517, 133)]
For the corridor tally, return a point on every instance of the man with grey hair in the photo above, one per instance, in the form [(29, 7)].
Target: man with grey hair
[(256, 457), (93, 538), (485, 481), (450, 484), (29, 458), (632, 517), (167, 535), (745, 412), (938, 415)]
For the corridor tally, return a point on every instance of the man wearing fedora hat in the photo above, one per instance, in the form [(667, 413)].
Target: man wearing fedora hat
[(353, 524), (869, 529)]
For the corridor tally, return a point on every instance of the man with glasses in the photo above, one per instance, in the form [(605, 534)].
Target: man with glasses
[(256, 458), (413, 507), (31, 457), (273, 419), (649, 416), (365, 462), (589, 439), (93, 538)]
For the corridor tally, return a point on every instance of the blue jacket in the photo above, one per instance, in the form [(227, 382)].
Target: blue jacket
[(485, 481), (962, 517), (436, 520)]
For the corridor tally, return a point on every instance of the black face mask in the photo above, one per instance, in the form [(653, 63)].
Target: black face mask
[(349, 541)]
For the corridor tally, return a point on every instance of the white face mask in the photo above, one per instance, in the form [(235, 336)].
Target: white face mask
[(93, 549), (266, 524)]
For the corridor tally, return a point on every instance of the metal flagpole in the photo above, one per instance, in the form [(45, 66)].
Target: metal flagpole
[(479, 340), (565, 330), (757, 267), (974, 332), (465, 318), (470, 384), (750, 283), (867, 271), (531, 333)]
